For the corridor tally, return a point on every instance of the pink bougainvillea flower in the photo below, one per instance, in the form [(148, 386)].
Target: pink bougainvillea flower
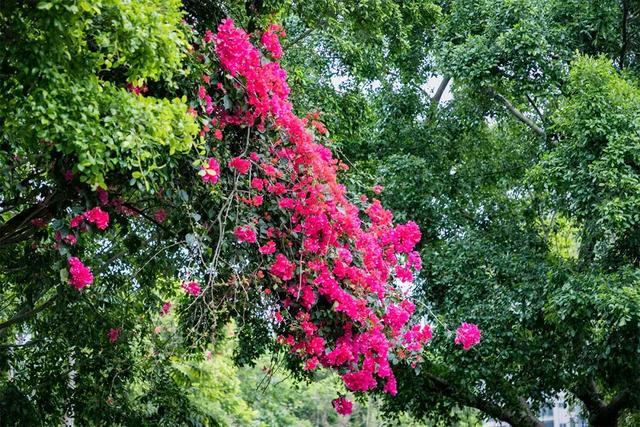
[(257, 200), (268, 248), (342, 405), (257, 184), (287, 203), (166, 307), (271, 40), (320, 127), (192, 288), (378, 189), (283, 268), (240, 164), (406, 236), (160, 215), (71, 239), (245, 234), (114, 334), (76, 221), (103, 196), (311, 364), (211, 172), (468, 335), (138, 90), (217, 134), (208, 36), (98, 217), (80, 275)]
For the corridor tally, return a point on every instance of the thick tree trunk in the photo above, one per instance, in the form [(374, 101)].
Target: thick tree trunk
[(602, 414), (605, 418)]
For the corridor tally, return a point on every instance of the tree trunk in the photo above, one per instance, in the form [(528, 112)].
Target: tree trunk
[(606, 417)]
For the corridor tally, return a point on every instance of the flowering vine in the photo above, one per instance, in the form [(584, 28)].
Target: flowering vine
[(330, 268)]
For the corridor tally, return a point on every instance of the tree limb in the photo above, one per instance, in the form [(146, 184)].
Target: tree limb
[(625, 35), (535, 107), (525, 418), (518, 115), (435, 101), (27, 313), (298, 39)]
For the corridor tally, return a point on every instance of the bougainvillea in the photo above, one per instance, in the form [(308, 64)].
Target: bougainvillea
[(114, 334), (468, 335), (329, 267), (342, 405), (210, 172), (80, 275), (192, 288), (98, 217)]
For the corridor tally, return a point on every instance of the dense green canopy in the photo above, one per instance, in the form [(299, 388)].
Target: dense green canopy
[(525, 182)]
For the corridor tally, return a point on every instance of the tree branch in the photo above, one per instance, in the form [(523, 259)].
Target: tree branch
[(535, 107), (625, 35), (435, 101), (298, 39), (27, 313), (518, 115), (525, 418)]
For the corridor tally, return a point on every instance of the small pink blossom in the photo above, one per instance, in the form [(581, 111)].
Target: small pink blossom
[(98, 217), (71, 239), (268, 248), (76, 221), (282, 268), (240, 164), (245, 234), (320, 127), (192, 288), (286, 203), (468, 335), (160, 215), (208, 36), (103, 196), (271, 41), (342, 405), (257, 184), (377, 189), (211, 172), (166, 307), (80, 275), (114, 334), (311, 364), (137, 89), (39, 222), (257, 200)]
